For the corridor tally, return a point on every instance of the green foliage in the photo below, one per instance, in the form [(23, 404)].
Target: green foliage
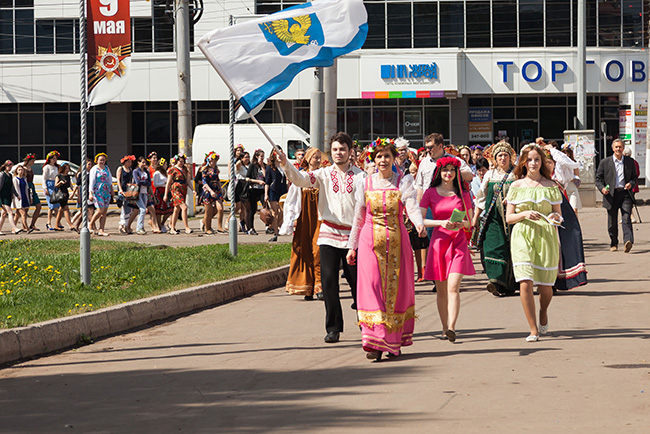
[(39, 279)]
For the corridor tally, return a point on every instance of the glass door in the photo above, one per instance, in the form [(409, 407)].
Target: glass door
[(516, 131)]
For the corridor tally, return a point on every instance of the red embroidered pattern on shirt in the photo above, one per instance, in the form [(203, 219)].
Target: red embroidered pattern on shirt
[(349, 181), (312, 178), (335, 182)]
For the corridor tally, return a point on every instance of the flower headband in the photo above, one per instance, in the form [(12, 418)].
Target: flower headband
[(177, 157), (29, 157), (447, 161), (240, 146), (52, 154), (127, 157), (476, 147), (211, 156), (372, 148), (101, 154), (151, 155)]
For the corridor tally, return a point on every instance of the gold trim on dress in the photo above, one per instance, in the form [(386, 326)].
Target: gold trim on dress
[(392, 321)]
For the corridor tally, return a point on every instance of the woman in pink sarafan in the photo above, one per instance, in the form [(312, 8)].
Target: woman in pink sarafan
[(385, 285), (448, 259)]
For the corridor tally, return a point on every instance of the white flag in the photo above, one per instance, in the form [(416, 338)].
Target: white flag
[(260, 58)]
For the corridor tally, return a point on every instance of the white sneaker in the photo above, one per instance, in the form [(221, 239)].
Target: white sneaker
[(543, 329)]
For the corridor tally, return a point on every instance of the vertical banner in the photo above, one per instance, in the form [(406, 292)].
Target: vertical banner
[(109, 49)]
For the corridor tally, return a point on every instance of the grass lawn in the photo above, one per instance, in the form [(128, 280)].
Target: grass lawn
[(39, 279)]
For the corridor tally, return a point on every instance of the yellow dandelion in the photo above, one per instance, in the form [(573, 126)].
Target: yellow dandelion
[(90, 305), (26, 262), (76, 305), (8, 316), (65, 283), (62, 290)]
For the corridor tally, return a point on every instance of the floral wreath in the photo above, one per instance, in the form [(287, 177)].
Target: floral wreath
[(211, 156), (177, 157), (240, 146), (475, 147), (101, 154), (127, 157), (372, 148), (151, 155), (52, 154), (28, 157), (447, 161)]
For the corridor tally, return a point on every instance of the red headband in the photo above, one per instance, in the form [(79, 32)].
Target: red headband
[(446, 161)]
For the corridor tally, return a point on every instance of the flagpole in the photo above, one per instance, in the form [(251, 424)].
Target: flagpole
[(84, 236), (232, 224)]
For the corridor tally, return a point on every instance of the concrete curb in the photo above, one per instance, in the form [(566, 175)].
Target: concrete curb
[(45, 337)]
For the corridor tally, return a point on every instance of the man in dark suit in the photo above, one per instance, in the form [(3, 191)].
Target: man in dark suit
[(615, 178)]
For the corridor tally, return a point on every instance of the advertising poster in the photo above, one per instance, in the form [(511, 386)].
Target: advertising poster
[(109, 49), (480, 124)]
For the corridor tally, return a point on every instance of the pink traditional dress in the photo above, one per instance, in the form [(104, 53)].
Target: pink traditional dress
[(385, 283), (448, 251)]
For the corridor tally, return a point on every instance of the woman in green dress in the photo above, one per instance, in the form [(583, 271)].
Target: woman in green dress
[(493, 231), (534, 211)]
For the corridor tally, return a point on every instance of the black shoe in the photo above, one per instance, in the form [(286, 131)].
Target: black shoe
[(252, 232), (434, 288), (242, 228), (309, 297), (353, 306), (320, 296), (269, 231), (332, 337), (373, 355), (275, 238), (495, 289)]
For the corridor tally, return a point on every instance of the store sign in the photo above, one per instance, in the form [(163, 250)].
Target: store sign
[(420, 71), (413, 123), (480, 124), (625, 124), (532, 70)]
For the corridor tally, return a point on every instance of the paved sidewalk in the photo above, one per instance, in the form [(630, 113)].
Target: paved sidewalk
[(260, 365)]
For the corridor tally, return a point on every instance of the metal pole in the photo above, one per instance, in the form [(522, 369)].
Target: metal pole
[(581, 71), (184, 95), (330, 86), (317, 108), (232, 225), (647, 134), (84, 237)]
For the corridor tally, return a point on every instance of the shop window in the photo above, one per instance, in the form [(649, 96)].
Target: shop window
[(163, 28), (530, 101), (558, 24), (64, 30), (503, 112), (6, 31), (142, 35), (399, 25), (8, 122), (436, 120), (45, 36), (526, 112), (357, 122), (376, 25), (478, 24), (633, 23), (158, 127), (24, 31), (480, 102), (504, 23), (56, 128), (100, 127), (75, 127), (609, 24), (425, 24), (531, 23), (384, 122), (503, 101), (137, 127), (452, 24), (31, 128)]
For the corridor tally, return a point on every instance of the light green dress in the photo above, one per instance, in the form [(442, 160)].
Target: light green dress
[(534, 245)]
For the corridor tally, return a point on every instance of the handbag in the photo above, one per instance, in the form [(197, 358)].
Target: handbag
[(57, 196), (265, 214), (132, 191)]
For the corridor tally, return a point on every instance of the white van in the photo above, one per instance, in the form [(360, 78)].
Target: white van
[(216, 137)]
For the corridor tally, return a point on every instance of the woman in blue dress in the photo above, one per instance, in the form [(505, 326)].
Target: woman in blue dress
[(100, 191)]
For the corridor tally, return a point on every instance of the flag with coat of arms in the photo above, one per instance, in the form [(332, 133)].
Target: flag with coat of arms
[(259, 58)]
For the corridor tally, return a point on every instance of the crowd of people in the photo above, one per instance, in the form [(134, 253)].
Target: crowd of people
[(390, 217), (145, 185), (387, 216)]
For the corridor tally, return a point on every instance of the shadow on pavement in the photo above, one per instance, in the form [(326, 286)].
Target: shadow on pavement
[(202, 401)]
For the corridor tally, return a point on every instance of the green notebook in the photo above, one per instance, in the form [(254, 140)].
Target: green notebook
[(457, 216)]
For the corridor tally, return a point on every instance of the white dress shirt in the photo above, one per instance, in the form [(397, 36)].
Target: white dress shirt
[(620, 175)]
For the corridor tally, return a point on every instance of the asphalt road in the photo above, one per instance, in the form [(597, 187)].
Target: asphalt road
[(260, 365)]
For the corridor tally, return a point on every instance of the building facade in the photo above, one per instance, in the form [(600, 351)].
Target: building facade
[(472, 70)]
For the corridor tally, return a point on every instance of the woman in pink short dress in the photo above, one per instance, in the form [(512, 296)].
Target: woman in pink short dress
[(448, 259)]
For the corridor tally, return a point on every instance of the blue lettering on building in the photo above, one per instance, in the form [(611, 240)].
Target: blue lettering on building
[(532, 71), (423, 70)]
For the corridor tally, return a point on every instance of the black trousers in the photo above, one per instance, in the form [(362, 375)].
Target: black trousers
[(331, 259), (622, 201), (254, 195)]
